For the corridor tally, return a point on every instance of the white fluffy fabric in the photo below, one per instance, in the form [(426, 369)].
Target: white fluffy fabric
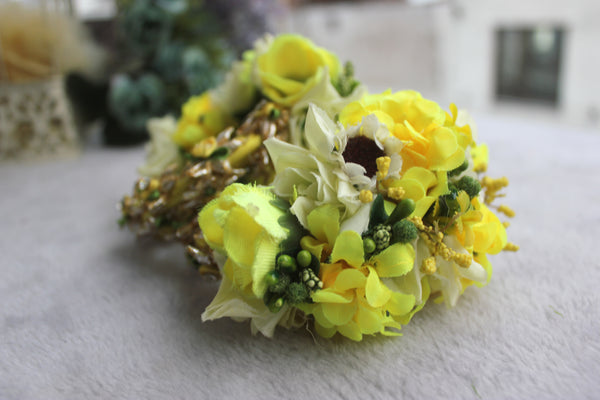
[(89, 312)]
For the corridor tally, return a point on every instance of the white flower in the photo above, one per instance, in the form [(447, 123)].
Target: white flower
[(319, 174), (446, 279), (161, 151), (324, 96), (238, 92), (230, 302)]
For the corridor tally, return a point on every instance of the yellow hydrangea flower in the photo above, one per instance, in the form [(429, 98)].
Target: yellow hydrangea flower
[(200, 119), (291, 66), (354, 301), (431, 138)]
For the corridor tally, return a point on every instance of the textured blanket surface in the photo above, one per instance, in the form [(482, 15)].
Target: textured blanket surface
[(88, 311)]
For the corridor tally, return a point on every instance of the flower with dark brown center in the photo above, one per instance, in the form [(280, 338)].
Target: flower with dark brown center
[(363, 151)]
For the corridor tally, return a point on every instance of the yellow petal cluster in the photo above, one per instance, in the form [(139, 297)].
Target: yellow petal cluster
[(243, 224), (293, 65), (431, 138), (354, 300), (200, 120), (421, 185)]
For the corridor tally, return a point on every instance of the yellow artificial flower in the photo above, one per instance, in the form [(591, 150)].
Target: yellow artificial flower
[(421, 185), (431, 138), (244, 224), (247, 225), (291, 66), (479, 229), (354, 301), (200, 120)]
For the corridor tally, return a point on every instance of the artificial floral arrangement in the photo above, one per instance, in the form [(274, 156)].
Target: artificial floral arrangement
[(325, 204)]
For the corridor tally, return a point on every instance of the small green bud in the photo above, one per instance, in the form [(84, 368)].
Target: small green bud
[(272, 278), (296, 293), (304, 258), (402, 210), (378, 214), (276, 304), (448, 205), (274, 113), (154, 195), (369, 245), (469, 185), (404, 232), (220, 153), (286, 264)]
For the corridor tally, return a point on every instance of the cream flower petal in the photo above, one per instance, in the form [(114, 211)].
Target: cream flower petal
[(229, 302), (319, 132), (161, 151)]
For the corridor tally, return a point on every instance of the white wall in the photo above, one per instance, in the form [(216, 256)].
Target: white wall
[(468, 45), (447, 50), (392, 45)]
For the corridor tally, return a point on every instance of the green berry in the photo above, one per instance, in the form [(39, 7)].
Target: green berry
[(469, 185), (154, 195), (276, 304), (275, 113), (404, 232), (272, 278), (304, 258), (286, 264), (369, 245)]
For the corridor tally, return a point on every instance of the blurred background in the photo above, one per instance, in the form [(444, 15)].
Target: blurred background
[(532, 59)]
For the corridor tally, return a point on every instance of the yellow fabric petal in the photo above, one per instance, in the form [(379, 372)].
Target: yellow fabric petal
[(396, 260), (349, 279), (400, 303), (313, 245), (368, 320), (422, 206), (442, 184), (327, 296), (325, 332), (351, 330), (413, 189), (241, 231), (348, 247), (376, 292), (422, 175), (324, 223), (339, 313), (212, 231), (426, 291)]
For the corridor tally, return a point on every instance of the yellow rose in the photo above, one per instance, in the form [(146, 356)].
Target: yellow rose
[(200, 119), (291, 66), (431, 138)]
